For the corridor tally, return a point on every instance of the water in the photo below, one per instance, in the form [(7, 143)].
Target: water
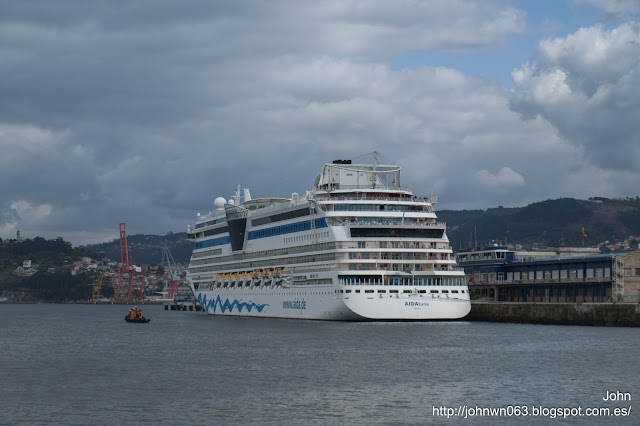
[(83, 364)]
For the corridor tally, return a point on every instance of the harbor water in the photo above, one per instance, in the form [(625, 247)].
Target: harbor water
[(83, 364)]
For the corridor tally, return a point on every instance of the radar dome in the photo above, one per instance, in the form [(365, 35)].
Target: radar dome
[(219, 203), (231, 201)]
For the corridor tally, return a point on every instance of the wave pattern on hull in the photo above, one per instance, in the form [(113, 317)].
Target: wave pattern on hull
[(228, 306)]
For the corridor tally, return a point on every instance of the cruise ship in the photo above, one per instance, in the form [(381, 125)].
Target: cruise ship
[(356, 246)]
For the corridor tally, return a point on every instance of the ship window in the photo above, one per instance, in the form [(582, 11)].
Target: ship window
[(454, 291), (393, 291), (406, 291), (445, 291), (422, 291), (347, 291), (435, 291), (382, 291), (357, 291), (216, 231), (368, 291), (280, 216)]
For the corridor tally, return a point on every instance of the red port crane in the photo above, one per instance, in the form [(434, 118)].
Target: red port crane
[(131, 277)]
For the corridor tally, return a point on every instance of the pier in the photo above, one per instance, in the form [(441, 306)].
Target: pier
[(182, 305), (598, 314)]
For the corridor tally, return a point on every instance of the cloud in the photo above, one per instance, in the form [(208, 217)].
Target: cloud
[(505, 179), (613, 8), (587, 85), (145, 113), (23, 214), (27, 211)]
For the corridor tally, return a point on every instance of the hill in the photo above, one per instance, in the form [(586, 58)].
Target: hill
[(49, 279), (41, 251), (546, 223)]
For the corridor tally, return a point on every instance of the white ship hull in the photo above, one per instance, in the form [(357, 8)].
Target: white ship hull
[(320, 304)]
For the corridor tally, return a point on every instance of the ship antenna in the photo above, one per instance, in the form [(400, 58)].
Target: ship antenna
[(237, 196), (375, 167)]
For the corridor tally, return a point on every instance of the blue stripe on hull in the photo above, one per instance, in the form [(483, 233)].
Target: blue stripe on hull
[(209, 305)]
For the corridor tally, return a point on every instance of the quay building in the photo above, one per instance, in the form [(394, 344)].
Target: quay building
[(561, 275)]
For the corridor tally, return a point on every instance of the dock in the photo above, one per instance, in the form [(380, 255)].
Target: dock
[(598, 314), (182, 305)]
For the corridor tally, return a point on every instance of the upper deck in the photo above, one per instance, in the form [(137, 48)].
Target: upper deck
[(342, 175)]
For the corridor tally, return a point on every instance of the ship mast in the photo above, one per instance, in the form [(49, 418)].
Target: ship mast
[(375, 168)]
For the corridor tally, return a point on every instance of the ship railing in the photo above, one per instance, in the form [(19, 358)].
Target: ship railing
[(337, 186), (388, 222), (405, 281), (206, 216), (482, 261), (380, 197)]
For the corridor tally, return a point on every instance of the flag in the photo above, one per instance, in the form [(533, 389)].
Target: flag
[(583, 234)]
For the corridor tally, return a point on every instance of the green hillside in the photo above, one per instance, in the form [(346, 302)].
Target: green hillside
[(53, 282), (546, 223)]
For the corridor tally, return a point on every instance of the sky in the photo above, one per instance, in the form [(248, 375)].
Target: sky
[(145, 111)]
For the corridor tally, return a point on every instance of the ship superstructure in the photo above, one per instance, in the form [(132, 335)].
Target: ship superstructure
[(356, 246)]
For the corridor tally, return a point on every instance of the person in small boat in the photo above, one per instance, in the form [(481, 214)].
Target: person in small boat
[(135, 313)]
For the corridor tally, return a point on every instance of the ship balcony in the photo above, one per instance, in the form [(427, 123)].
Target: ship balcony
[(332, 187), (365, 211), (397, 246), (399, 256), (397, 266), (418, 270), (326, 198), (339, 220)]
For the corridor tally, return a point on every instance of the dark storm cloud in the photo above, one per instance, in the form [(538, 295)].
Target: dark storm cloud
[(145, 111)]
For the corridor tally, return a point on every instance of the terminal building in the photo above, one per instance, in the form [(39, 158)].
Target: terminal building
[(562, 275)]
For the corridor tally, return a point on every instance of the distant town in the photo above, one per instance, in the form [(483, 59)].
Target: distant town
[(72, 274)]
